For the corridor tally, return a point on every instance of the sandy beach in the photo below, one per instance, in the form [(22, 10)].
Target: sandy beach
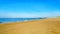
[(44, 26)]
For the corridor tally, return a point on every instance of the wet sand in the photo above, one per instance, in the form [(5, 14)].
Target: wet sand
[(44, 26)]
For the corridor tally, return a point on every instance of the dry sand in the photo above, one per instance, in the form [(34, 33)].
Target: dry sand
[(45, 26)]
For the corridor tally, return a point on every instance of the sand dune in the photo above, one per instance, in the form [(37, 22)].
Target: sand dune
[(45, 26)]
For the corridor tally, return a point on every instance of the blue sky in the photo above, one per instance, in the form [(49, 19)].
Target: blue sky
[(29, 8)]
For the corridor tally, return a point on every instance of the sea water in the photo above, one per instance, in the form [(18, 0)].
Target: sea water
[(4, 20)]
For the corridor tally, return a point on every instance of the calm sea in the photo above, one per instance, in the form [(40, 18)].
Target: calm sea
[(2, 20)]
